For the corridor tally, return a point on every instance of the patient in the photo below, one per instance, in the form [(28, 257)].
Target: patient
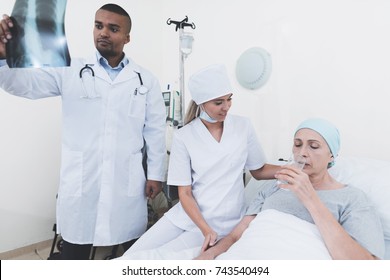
[(346, 220)]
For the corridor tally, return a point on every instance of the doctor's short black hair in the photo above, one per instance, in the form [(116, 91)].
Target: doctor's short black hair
[(114, 8)]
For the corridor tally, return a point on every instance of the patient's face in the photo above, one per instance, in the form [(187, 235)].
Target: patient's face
[(314, 148)]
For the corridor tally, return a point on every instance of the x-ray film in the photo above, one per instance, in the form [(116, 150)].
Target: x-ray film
[(38, 35)]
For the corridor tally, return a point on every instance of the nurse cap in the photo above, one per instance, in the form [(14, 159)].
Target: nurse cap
[(327, 130), (209, 83)]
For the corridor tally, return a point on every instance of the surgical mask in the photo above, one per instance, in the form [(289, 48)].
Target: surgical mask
[(204, 116)]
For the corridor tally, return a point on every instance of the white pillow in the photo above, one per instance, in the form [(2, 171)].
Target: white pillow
[(371, 176)]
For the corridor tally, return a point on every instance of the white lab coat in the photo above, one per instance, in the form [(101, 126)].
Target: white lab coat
[(101, 198), (214, 170)]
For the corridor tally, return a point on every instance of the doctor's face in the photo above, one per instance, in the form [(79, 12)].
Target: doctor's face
[(111, 33), (218, 108)]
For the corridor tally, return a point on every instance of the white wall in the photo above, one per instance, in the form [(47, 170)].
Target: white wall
[(330, 59)]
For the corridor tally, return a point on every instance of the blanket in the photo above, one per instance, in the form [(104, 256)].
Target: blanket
[(274, 235)]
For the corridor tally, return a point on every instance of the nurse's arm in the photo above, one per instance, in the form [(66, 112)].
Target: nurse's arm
[(266, 172), (191, 207), (225, 243)]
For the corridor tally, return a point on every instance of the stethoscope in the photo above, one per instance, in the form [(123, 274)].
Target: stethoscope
[(87, 67), (90, 81), (142, 90)]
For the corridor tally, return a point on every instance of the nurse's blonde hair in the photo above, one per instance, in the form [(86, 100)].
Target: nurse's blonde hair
[(193, 112)]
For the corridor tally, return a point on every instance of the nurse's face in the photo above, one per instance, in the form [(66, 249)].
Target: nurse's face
[(218, 108), (111, 33), (311, 145)]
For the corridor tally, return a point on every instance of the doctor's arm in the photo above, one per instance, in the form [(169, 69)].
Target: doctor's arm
[(30, 83), (154, 135), (5, 34), (225, 243), (153, 188), (191, 207)]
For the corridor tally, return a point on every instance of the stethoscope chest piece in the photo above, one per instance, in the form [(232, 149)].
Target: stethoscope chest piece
[(143, 90)]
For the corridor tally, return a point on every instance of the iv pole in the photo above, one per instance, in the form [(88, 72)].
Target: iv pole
[(185, 48)]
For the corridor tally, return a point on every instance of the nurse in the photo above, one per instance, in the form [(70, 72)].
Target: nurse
[(208, 157)]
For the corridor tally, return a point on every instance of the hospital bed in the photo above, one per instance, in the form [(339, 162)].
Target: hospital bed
[(276, 235)]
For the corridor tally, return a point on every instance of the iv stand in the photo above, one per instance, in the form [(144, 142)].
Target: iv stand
[(185, 48)]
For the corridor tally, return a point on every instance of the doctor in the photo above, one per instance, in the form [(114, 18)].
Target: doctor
[(111, 106), (208, 157)]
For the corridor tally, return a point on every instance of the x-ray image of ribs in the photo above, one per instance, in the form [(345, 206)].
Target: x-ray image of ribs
[(38, 34)]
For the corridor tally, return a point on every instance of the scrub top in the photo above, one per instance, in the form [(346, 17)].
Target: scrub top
[(215, 171)]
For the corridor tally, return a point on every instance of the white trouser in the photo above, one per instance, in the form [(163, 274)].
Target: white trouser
[(164, 240)]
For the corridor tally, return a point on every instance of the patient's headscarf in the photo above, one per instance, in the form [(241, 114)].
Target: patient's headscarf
[(327, 130)]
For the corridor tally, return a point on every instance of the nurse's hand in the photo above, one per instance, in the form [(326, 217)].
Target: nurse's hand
[(210, 239), (153, 188), (5, 34)]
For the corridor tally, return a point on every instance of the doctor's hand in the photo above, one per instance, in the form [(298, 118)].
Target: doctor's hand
[(153, 188), (5, 34)]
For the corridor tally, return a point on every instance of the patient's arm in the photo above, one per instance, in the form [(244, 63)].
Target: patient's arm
[(225, 243), (339, 243), (266, 172)]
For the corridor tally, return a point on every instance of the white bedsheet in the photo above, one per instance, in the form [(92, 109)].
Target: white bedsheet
[(162, 254), (274, 235)]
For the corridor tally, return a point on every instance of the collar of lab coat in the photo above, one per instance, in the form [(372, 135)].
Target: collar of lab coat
[(127, 73)]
